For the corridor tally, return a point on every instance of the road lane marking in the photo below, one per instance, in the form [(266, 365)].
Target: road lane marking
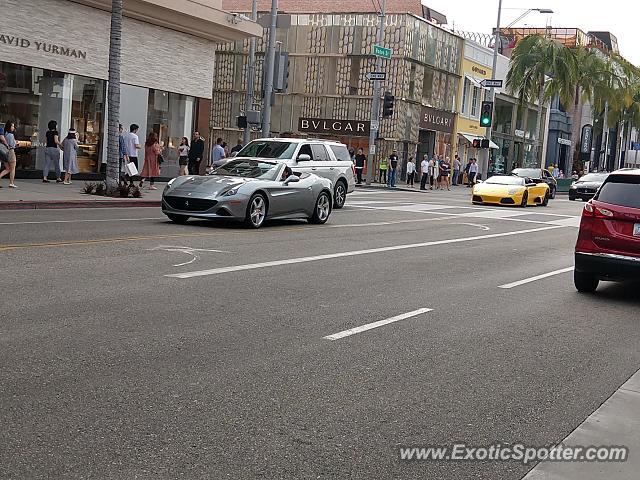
[(353, 253), (83, 221), (537, 277), (187, 250), (392, 222), (379, 323)]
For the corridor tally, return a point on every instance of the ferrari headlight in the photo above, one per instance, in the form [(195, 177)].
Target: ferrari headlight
[(232, 192)]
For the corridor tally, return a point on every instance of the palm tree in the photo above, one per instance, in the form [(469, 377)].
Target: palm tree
[(541, 68), (113, 96)]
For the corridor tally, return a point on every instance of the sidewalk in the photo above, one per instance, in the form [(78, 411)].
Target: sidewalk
[(33, 194)]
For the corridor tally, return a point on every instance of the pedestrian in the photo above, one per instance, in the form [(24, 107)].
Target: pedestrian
[(70, 156), (218, 154), (352, 155), (52, 152), (411, 172), (122, 153), (555, 171), (473, 172), (132, 145), (445, 171), (456, 170), (465, 177), (151, 169), (360, 160), (383, 170), (574, 175), (237, 148), (424, 169), (195, 154), (183, 156), (393, 169), (10, 142), (434, 172), (561, 175)]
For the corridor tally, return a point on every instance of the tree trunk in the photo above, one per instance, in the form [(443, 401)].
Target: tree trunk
[(537, 144), (113, 97)]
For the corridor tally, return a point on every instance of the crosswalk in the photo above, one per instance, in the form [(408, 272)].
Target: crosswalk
[(532, 215)]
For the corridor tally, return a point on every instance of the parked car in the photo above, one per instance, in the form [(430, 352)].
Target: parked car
[(539, 174), (608, 246), (249, 190), (325, 158), (586, 186), (510, 190)]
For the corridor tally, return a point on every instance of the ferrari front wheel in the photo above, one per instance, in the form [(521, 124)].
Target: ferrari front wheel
[(545, 202), (525, 200)]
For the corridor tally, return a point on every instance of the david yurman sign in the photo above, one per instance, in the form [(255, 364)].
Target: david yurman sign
[(438, 120), (353, 128), (50, 48)]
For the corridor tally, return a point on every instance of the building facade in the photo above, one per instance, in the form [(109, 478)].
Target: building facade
[(59, 71), (328, 93)]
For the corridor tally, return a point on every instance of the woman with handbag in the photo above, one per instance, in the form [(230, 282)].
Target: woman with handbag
[(52, 152), (10, 143), (151, 168)]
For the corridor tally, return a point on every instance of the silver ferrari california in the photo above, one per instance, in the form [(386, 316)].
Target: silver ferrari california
[(249, 190)]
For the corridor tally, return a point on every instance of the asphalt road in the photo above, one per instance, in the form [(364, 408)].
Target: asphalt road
[(135, 348)]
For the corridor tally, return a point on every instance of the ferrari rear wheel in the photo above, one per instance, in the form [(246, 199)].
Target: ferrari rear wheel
[(525, 200), (322, 209), (256, 211)]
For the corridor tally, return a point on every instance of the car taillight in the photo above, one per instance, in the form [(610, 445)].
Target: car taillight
[(592, 211)]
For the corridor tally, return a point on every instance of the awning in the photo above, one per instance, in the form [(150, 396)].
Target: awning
[(470, 137), (474, 80)]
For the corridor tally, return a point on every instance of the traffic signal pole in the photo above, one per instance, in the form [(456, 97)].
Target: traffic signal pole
[(375, 101), (492, 91), (251, 73)]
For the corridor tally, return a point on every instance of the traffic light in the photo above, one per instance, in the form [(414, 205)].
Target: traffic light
[(486, 114), (241, 121), (387, 105)]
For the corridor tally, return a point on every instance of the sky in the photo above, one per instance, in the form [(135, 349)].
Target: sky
[(620, 17)]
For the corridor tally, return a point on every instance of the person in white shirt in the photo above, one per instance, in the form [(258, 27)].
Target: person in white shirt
[(132, 145), (218, 154), (411, 172), (473, 172), (424, 168)]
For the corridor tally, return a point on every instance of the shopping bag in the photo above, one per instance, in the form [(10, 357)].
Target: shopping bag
[(131, 169), (61, 161)]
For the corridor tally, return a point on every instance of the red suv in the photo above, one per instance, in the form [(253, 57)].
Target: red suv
[(608, 246)]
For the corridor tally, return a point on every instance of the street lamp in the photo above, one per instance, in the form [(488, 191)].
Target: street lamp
[(496, 46)]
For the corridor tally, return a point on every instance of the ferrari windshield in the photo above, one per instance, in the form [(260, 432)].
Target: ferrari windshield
[(248, 169), (268, 149), (505, 180)]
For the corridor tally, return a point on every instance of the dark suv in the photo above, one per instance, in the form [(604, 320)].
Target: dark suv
[(608, 246), (538, 174)]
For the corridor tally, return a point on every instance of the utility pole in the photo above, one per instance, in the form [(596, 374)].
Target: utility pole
[(492, 91), (251, 73), (268, 73), (375, 101)]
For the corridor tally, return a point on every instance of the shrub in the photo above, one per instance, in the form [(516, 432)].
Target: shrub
[(136, 192), (101, 189), (88, 188), (124, 190)]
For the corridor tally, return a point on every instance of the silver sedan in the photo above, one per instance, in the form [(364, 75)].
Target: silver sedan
[(249, 190)]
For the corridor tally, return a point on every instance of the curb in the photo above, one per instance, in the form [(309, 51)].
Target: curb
[(60, 204)]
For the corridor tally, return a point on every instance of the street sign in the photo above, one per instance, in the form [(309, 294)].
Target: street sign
[(372, 149), (375, 125), (371, 76), (488, 83), (380, 51)]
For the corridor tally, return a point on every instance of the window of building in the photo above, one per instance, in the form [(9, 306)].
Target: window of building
[(503, 116), (465, 96), (475, 99)]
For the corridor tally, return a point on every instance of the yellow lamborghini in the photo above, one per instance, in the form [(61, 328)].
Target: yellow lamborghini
[(511, 190)]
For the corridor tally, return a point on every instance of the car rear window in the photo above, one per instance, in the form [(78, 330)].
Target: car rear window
[(341, 152), (621, 190)]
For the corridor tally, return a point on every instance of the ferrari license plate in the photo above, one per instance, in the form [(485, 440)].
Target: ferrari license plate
[(636, 230)]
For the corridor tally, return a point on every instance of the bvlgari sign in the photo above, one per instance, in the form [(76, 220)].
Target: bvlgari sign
[(438, 120), (46, 47), (352, 128)]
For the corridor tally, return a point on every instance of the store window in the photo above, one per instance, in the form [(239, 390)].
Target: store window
[(503, 117), (532, 120), (31, 97), (475, 99), (170, 116)]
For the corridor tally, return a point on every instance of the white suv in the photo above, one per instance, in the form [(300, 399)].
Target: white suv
[(324, 158)]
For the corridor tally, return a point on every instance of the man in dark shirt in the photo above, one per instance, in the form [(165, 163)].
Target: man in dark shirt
[(238, 146), (360, 161), (393, 169), (195, 154)]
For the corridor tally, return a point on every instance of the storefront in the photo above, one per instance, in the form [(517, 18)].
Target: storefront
[(436, 133), (59, 71)]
